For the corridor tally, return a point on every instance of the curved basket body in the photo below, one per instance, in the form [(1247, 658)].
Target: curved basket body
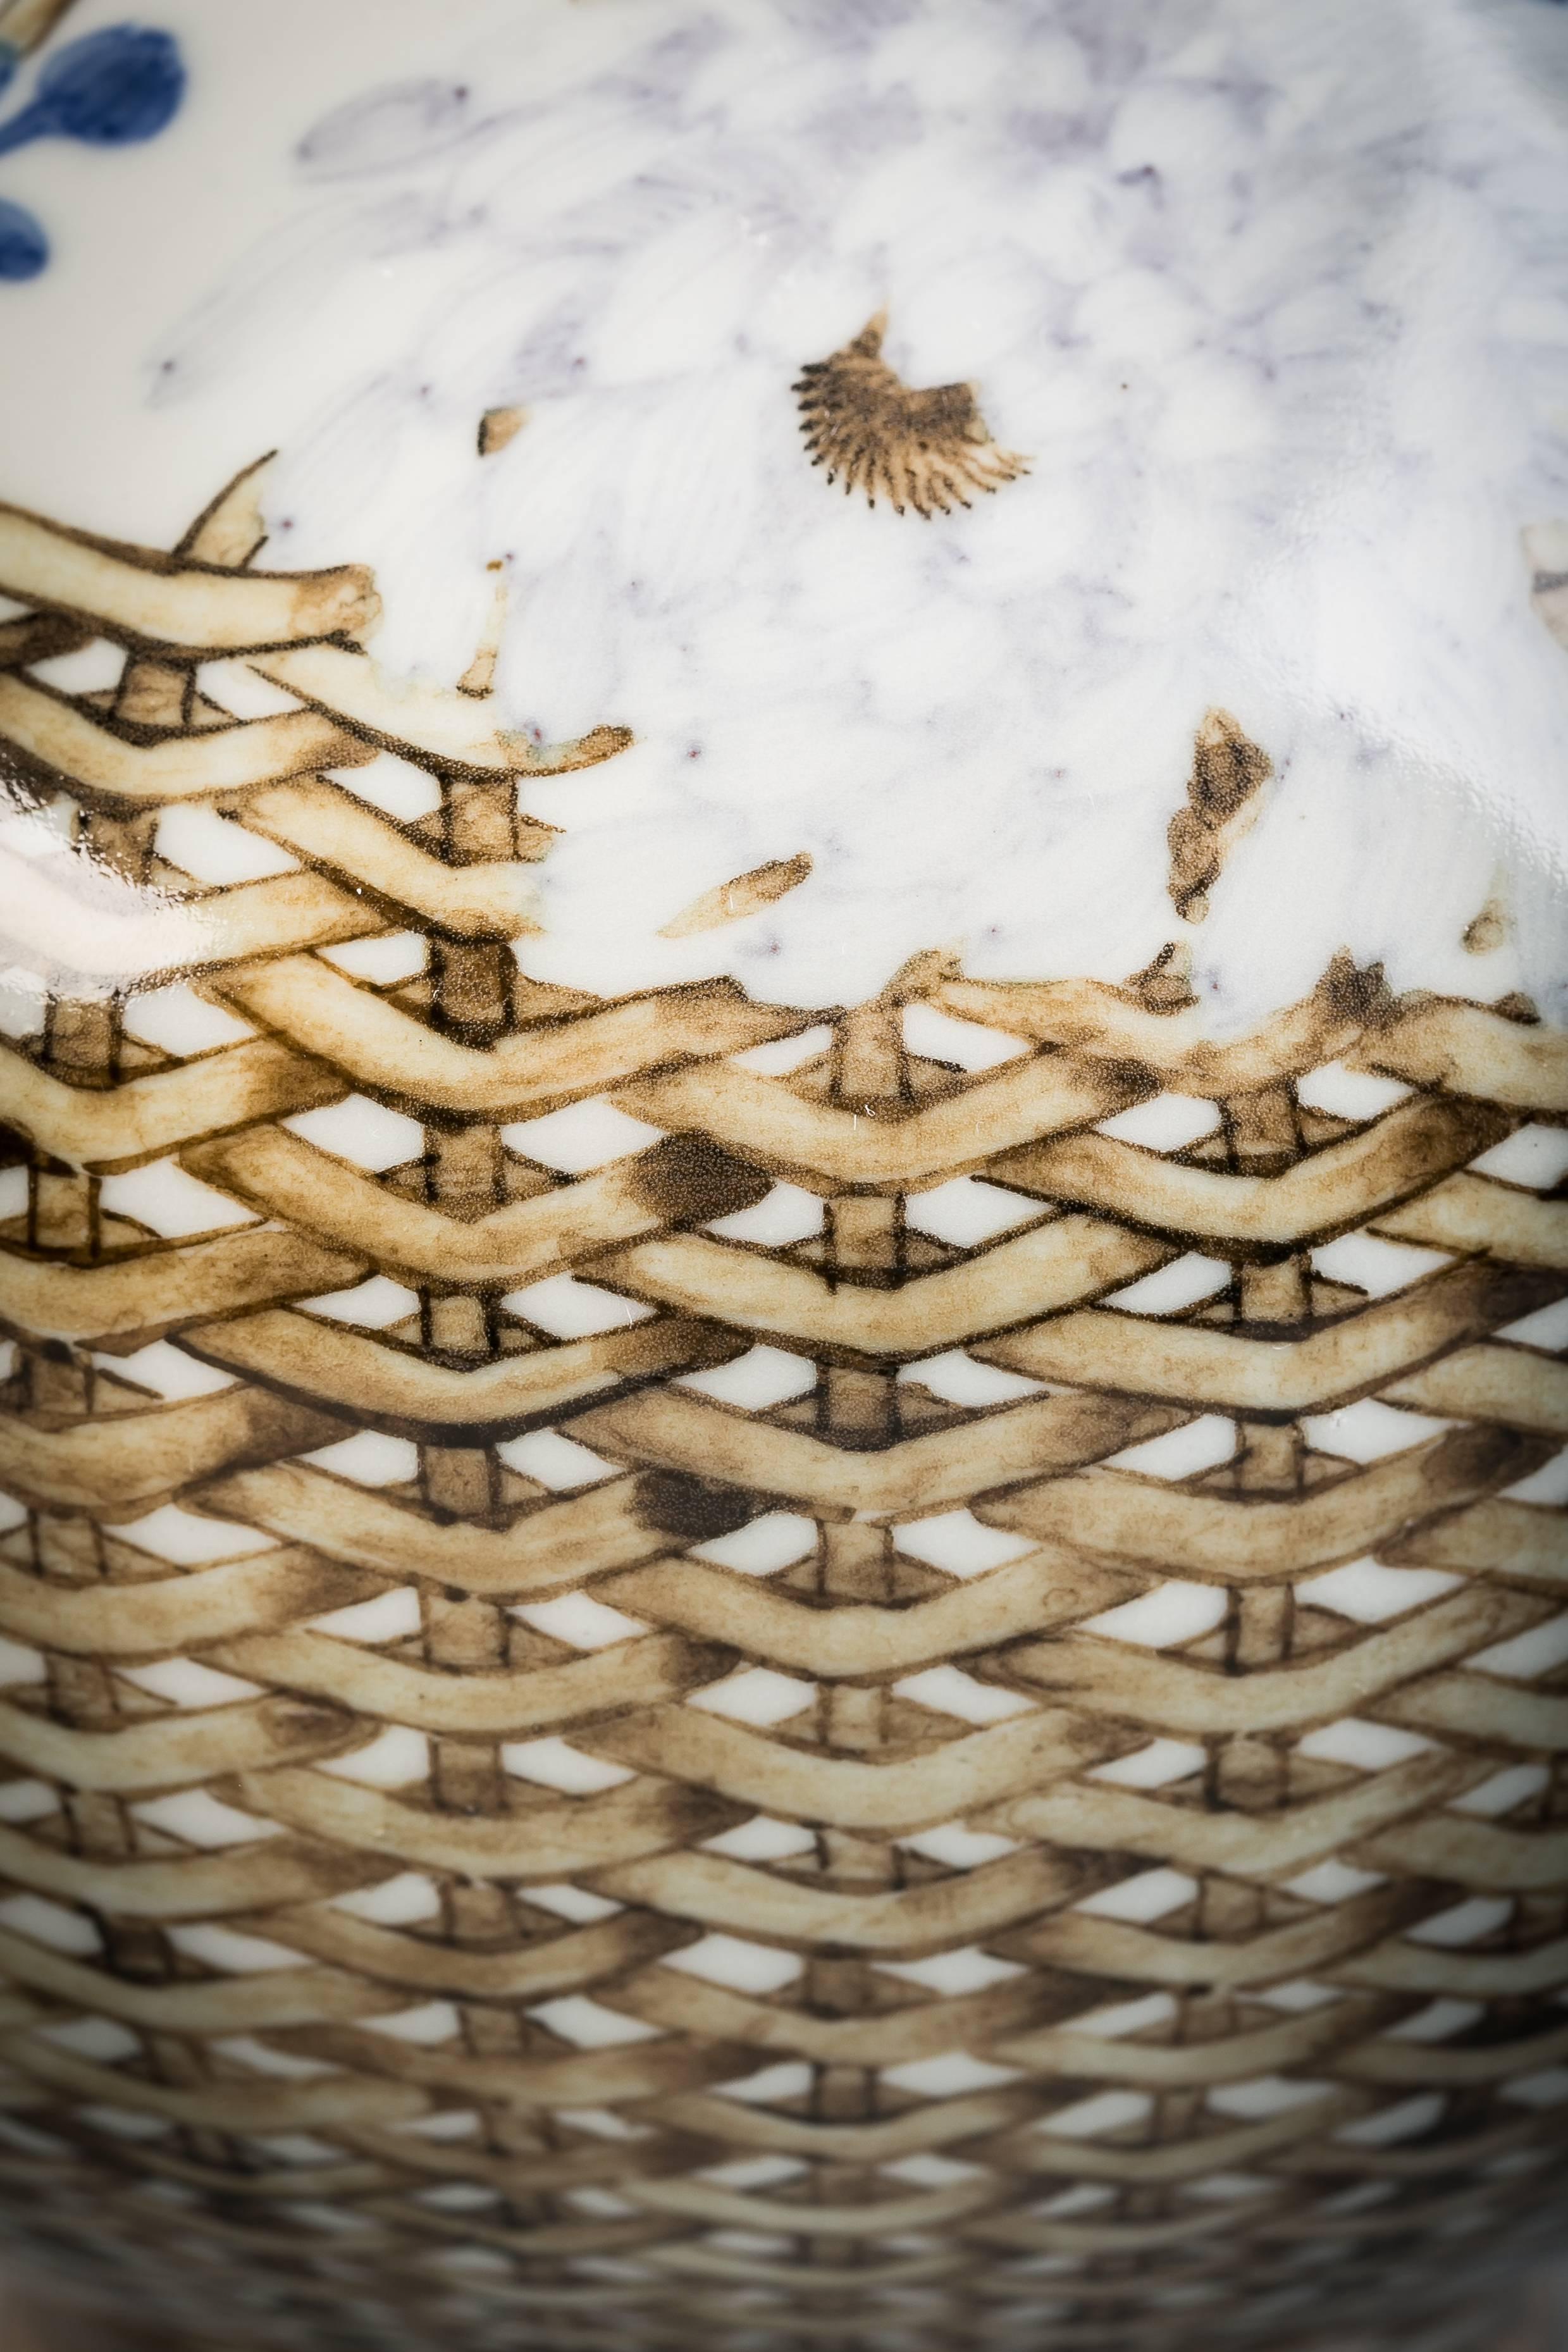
[(678, 1672)]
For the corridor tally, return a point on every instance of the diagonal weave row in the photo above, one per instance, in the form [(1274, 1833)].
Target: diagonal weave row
[(678, 1672)]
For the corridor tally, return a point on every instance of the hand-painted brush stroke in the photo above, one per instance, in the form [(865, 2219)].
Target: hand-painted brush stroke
[(23, 248), (26, 26), (114, 89)]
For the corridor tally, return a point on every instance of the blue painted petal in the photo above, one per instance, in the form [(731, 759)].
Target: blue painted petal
[(24, 247), (10, 58), (113, 88)]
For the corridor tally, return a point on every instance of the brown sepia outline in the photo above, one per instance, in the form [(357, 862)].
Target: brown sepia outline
[(924, 449)]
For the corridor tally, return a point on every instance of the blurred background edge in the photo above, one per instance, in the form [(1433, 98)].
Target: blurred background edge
[(1534, 2320)]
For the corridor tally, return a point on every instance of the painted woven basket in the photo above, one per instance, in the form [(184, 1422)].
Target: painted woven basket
[(683, 1673)]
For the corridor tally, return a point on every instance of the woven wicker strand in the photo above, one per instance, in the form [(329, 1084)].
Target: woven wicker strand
[(589, 1756)]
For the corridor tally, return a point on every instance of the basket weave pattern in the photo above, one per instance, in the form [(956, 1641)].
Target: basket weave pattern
[(688, 1852)]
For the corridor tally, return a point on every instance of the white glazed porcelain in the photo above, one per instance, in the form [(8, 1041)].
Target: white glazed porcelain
[(781, 885)]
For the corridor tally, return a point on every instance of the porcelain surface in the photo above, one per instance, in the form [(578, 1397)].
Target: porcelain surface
[(782, 1221), (1272, 302)]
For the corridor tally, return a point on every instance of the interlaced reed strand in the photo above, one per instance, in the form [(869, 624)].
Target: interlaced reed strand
[(460, 1894)]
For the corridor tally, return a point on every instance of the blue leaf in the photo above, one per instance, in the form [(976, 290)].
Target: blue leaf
[(111, 89), (115, 87), (23, 248)]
